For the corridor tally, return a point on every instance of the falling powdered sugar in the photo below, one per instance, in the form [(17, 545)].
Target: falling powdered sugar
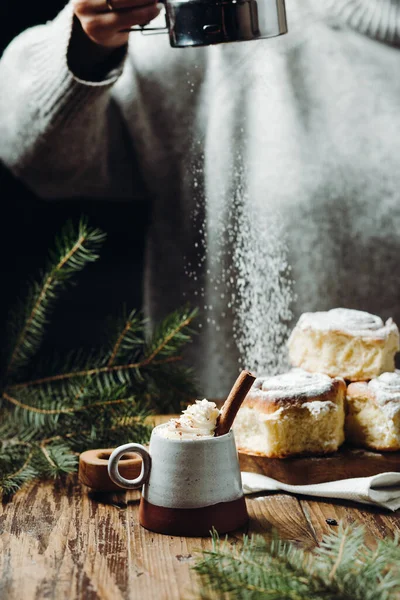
[(242, 252), (264, 289)]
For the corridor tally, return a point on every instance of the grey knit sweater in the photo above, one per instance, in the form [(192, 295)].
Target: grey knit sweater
[(314, 116)]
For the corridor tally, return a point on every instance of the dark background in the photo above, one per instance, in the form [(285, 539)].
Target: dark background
[(28, 226)]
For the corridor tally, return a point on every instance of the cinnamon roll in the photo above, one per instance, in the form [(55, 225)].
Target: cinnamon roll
[(373, 413), (344, 343), (296, 413)]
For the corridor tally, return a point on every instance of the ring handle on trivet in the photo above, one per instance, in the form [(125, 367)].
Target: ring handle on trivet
[(116, 477)]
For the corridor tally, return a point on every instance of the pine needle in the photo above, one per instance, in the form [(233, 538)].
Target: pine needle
[(73, 251), (84, 399), (341, 568)]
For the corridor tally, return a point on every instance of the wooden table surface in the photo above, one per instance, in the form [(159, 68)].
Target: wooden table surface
[(60, 540)]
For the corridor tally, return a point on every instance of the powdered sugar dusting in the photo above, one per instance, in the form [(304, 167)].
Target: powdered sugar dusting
[(295, 383), (264, 289), (355, 322), (386, 390), (318, 408), (242, 251)]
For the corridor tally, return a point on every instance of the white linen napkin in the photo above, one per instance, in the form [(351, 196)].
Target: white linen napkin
[(379, 490)]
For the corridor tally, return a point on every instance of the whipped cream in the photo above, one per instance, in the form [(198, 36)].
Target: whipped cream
[(197, 421)]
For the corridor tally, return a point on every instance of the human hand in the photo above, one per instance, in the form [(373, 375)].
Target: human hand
[(108, 23)]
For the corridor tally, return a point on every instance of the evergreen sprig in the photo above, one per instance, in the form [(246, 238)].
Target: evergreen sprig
[(342, 567), (86, 399), (73, 251)]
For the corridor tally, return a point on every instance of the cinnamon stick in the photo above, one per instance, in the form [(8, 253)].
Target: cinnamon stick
[(233, 402)]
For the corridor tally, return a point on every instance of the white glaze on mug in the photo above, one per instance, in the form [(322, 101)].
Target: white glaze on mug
[(192, 473)]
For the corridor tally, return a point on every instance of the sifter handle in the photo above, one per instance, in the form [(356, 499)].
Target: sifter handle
[(150, 30)]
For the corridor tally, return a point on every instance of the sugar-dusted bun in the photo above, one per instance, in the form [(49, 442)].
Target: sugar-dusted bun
[(373, 413), (344, 343), (291, 414)]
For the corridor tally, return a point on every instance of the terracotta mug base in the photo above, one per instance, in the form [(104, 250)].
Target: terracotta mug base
[(194, 522)]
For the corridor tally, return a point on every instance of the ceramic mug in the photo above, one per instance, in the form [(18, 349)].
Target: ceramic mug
[(189, 486)]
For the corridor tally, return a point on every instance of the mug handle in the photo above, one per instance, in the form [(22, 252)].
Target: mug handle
[(116, 477)]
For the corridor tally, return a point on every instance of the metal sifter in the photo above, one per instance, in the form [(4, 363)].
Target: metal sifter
[(207, 22)]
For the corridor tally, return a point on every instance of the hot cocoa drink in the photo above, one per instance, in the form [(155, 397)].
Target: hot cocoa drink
[(191, 477)]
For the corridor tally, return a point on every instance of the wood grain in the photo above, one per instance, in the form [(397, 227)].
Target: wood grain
[(93, 469), (63, 541), (378, 523), (344, 464)]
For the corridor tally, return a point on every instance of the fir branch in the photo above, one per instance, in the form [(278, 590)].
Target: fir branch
[(35, 409), (45, 415), (10, 479), (91, 372), (84, 399), (59, 459), (336, 552), (182, 387), (64, 411), (391, 550), (171, 334), (339, 558), (47, 456), (130, 339), (279, 571), (73, 252)]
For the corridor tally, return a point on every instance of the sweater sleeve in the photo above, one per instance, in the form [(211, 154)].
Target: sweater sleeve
[(62, 136)]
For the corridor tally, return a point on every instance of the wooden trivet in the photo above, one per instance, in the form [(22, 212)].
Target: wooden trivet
[(93, 469)]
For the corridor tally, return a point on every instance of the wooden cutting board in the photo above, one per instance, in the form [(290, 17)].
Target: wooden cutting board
[(344, 464)]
